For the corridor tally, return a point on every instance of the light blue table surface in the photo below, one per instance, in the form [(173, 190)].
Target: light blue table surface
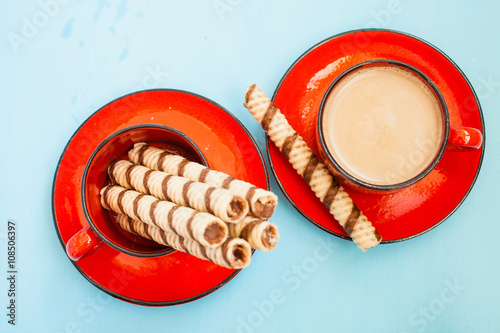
[(82, 54)]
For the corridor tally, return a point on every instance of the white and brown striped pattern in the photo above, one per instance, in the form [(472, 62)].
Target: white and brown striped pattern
[(259, 233), (315, 173), (261, 202), (234, 253), (204, 228), (182, 191)]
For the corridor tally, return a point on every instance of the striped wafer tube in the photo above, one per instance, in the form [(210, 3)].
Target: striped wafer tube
[(182, 191), (204, 228), (261, 202), (234, 253), (315, 173), (259, 233)]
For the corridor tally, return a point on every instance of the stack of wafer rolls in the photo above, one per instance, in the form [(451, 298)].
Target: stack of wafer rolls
[(208, 215), (182, 191), (233, 253), (315, 173), (261, 202), (188, 223)]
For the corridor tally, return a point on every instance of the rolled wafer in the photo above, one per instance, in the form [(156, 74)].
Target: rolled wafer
[(315, 173), (261, 202), (204, 228), (259, 233), (182, 191), (234, 253)]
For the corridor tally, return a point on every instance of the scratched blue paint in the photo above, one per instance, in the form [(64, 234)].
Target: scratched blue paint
[(68, 28), (100, 6), (124, 54), (121, 10)]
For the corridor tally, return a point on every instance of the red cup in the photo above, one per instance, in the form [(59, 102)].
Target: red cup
[(460, 137), (102, 228)]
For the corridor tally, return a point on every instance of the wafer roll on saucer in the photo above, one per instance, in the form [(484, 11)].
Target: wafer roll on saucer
[(315, 173), (261, 202), (182, 191), (259, 233), (188, 223), (234, 253)]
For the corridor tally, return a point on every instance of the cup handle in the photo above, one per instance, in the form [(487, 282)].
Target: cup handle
[(462, 136), (83, 242)]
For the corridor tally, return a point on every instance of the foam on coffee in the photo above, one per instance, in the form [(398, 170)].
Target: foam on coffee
[(382, 124)]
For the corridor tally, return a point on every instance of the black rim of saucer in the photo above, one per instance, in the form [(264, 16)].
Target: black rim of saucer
[(454, 65), (115, 294)]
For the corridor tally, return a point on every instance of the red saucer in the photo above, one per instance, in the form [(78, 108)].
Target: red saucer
[(410, 212), (174, 278)]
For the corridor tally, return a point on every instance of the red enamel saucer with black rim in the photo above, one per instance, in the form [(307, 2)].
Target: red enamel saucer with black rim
[(173, 278), (414, 210)]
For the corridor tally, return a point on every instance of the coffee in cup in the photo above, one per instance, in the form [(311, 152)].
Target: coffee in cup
[(383, 124)]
